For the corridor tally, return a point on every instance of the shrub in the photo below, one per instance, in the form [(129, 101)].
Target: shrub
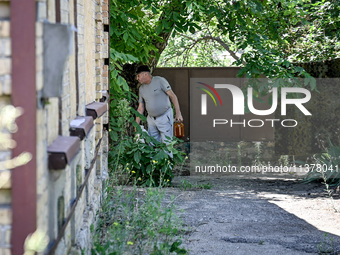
[(143, 159), (147, 163)]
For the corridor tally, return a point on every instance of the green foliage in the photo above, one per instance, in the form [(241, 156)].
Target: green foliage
[(204, 53), (326, 246), (139, 27), (265, 37), (132, 29), (142, 158), (318, 37), (118, 85), (147, 161), (272, 36), (134, 223), (258, 161), (186, 185), (326, 166), (284, 160)]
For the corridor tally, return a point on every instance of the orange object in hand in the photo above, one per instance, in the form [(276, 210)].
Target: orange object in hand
[(179, 129)]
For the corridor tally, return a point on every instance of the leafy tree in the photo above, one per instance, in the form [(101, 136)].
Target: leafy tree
[(273, 35), (141, 28), (139, 31)]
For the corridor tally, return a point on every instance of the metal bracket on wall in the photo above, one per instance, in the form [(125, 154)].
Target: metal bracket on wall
[(96, 109), (62, 151), (81, 126), (54, 243)]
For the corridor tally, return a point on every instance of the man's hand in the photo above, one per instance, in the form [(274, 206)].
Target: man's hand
[(179, 118)]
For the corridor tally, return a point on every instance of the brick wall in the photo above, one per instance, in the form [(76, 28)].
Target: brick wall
[(5, 154), (67, 199)]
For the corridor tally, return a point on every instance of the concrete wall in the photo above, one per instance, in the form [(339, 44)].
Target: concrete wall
[(63, 211)]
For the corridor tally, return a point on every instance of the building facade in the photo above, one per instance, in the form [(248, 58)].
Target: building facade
[(54, 64)]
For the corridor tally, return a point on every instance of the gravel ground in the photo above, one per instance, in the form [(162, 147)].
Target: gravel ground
[(257, 214)]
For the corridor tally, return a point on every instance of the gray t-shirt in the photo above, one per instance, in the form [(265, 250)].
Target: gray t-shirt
[(153, 96)]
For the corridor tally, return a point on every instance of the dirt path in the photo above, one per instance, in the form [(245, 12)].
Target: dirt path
[(257, 215)]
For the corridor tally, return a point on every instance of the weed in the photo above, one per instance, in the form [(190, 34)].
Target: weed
[(258, 161), (329, 192), (186, 185), (133, 221), (326, 163), (227, 160), (326, 246), (239, 154), (284, 160), (326, 169)]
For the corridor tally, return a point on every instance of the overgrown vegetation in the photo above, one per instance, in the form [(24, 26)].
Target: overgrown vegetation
[(186, 185), (264, 37), (325, 166), (141, 159), (137, 221)]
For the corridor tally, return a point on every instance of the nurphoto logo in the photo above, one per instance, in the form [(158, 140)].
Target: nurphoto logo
[(235, 109), (302, 96)]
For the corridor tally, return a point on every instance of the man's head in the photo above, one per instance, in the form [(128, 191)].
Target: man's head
[(143, 74)]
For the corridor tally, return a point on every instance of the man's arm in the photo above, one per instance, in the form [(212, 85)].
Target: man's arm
[(174, 100), (140, 109)]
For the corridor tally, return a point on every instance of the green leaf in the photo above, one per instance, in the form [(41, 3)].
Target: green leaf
[(165, 24), (122, 82), (236, 6), (137, 156), (159, 29), (125, 37), (154, 10), (114, 136), (149, 169)]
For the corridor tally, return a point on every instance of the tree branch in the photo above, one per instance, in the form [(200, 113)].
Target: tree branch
[(218, 40)]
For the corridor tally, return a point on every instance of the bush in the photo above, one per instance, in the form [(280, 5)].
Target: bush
[(148, 163), (143, 159)]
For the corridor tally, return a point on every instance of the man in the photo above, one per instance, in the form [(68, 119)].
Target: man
[(154, 95)]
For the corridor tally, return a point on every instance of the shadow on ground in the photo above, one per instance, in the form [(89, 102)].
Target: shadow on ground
[(257, 215)]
